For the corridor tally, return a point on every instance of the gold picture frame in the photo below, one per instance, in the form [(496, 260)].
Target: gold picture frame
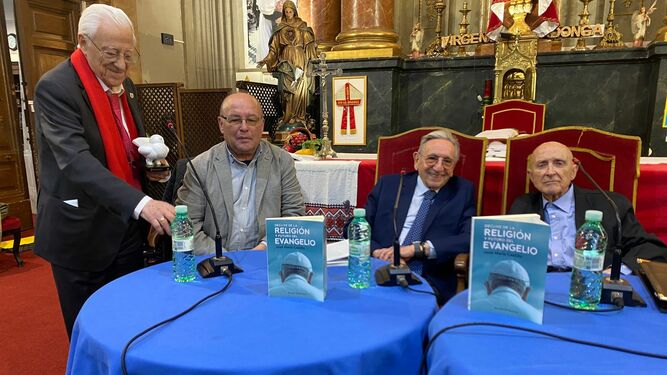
[(349, 110)]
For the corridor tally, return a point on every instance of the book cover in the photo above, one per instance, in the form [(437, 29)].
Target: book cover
[(296, 256), (508, 265)]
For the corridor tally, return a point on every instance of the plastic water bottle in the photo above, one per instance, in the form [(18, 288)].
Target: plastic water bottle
[(590, 246), (182, 244), (359, 262)]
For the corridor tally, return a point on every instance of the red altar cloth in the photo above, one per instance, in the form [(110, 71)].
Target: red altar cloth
[(366, 181), (651, 207)]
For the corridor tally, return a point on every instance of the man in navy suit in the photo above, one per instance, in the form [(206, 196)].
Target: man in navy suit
[(433, 216)]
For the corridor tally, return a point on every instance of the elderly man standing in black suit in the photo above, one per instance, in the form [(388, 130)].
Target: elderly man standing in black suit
[(563, 205), (91, 211)]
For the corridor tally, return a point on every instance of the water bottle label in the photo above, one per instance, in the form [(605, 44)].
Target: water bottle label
[(588, 262), (361, 249), (182, 245)]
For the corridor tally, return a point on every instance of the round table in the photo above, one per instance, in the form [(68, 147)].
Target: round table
[(493, 350), (243, 331)]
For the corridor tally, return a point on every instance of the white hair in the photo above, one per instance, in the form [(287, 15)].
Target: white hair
[(96, 14), (444, 134)]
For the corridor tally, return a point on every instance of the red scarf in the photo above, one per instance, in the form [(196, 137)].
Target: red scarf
[(117, 161)]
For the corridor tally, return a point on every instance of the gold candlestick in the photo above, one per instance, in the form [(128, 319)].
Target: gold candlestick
[(612, 38), (583, 21), (435, 48), (463, 27)]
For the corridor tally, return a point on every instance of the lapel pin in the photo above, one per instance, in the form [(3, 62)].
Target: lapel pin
[(131, 95)]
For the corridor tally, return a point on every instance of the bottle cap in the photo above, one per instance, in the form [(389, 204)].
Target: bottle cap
[(359, 212), (593, 215), (181, 209)]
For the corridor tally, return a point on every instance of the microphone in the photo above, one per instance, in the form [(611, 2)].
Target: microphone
[(614, 288), (396, 244), (219, 264), (396, 274)]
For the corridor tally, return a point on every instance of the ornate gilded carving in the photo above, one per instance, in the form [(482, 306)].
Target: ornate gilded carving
[(435, 47), (515, 71), (463, 26), (662, 32), (612, 38), (514, 83), (519, 9)]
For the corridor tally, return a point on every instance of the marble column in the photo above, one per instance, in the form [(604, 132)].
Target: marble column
[(367, 24), (324, 17)]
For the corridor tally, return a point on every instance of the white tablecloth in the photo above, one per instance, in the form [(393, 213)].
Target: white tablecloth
[(328, 182)]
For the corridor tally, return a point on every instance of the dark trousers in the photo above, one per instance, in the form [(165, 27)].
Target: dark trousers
[(75, 286)]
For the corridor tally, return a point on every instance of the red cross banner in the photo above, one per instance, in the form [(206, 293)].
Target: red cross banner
[(350, 110), (348, 97)]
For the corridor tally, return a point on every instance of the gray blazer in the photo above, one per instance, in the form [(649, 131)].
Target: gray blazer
[(278, 192)]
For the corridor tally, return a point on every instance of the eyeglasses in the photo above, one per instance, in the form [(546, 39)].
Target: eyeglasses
[(237, 121), (432, 160), (112, 54)]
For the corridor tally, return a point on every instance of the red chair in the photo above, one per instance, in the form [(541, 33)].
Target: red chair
[(12, 225), (611, 159), (395, 154), (525, 117)]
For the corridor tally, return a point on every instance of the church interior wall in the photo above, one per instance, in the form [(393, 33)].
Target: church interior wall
[(444, 93), (405, 16), (607, 91), (620, 91), (160, 62)]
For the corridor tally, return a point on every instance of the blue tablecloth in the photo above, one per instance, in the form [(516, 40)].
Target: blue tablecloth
[(243, 331), (491, 350)]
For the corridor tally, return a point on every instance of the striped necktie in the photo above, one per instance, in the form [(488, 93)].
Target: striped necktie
[(416, 233)]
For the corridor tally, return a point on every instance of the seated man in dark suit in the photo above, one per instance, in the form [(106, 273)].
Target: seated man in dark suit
[(563, 205), (433, 216)]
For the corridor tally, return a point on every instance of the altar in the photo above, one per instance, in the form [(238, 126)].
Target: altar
[(334, 187), (618, 91)]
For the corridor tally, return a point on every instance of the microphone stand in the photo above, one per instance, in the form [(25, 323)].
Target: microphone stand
[(614, 288), (219, 264), (396, 274)]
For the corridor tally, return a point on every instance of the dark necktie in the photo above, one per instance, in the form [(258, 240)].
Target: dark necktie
[(547, 209), (416, 232), (130, 151)]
